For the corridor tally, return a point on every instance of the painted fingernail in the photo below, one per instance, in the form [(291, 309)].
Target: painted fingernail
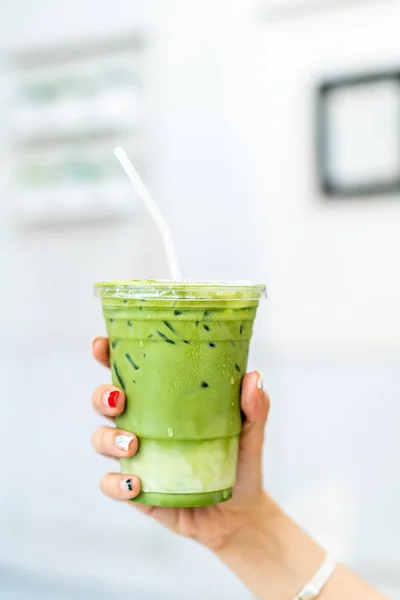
[(126, 485), (260, 382), (96, 343), (110, 399), (122, 442)]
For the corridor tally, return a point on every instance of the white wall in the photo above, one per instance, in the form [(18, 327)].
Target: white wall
[(207, 138), (232, 167), (334, 284), (334, 297)]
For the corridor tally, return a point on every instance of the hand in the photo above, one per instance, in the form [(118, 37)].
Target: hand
[(213, 526), (249, 533)]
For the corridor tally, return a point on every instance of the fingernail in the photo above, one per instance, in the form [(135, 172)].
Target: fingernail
[(110, 399), (260, 382), (126, 485), (95, 342), (122, 442)]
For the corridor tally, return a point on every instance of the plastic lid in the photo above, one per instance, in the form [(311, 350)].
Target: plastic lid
[(166, 289)]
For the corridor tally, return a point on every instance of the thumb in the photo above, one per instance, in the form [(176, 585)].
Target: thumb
[(255, 405)]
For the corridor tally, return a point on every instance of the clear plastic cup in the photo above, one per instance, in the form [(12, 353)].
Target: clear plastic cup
[(179, 351)]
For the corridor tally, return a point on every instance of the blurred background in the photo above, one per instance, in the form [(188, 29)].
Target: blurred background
[(269, 133)]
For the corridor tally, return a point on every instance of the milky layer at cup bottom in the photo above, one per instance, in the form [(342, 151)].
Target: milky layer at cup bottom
[(187, 467)]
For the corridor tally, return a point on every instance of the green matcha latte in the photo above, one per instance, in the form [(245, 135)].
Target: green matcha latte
[(179, 351)]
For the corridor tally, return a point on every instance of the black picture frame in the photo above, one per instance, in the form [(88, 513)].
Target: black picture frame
[(331, 188)]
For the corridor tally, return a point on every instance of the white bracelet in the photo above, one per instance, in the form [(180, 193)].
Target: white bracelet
[(313, 589)]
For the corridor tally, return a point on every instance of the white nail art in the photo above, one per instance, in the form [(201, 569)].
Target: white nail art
[(122, 442), (260, 382)]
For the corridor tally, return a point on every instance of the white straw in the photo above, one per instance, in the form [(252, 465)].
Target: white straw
[(153, 209)]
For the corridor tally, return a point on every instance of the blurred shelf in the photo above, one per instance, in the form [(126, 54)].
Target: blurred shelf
[(38, 140), (73, 102), (77, 49), (75, 128), (108, 111), (70, 205)]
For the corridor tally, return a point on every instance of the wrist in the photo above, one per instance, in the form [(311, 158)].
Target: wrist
[(271, 554), (253, 529)]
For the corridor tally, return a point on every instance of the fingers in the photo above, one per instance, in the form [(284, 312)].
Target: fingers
[(120, 487), (109, 441), (108, 400), (255, 405), (101, 351)]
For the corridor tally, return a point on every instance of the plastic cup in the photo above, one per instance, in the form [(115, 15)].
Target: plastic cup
[(179, 351)]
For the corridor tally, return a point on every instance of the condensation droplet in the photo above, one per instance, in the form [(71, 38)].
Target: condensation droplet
[(225, 494), (170, 432), (141, 344), (232, 380)]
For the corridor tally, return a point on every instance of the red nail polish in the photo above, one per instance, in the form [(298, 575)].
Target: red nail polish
[(112, 399)]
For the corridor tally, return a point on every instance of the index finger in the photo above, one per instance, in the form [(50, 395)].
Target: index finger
[(101, 350)]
